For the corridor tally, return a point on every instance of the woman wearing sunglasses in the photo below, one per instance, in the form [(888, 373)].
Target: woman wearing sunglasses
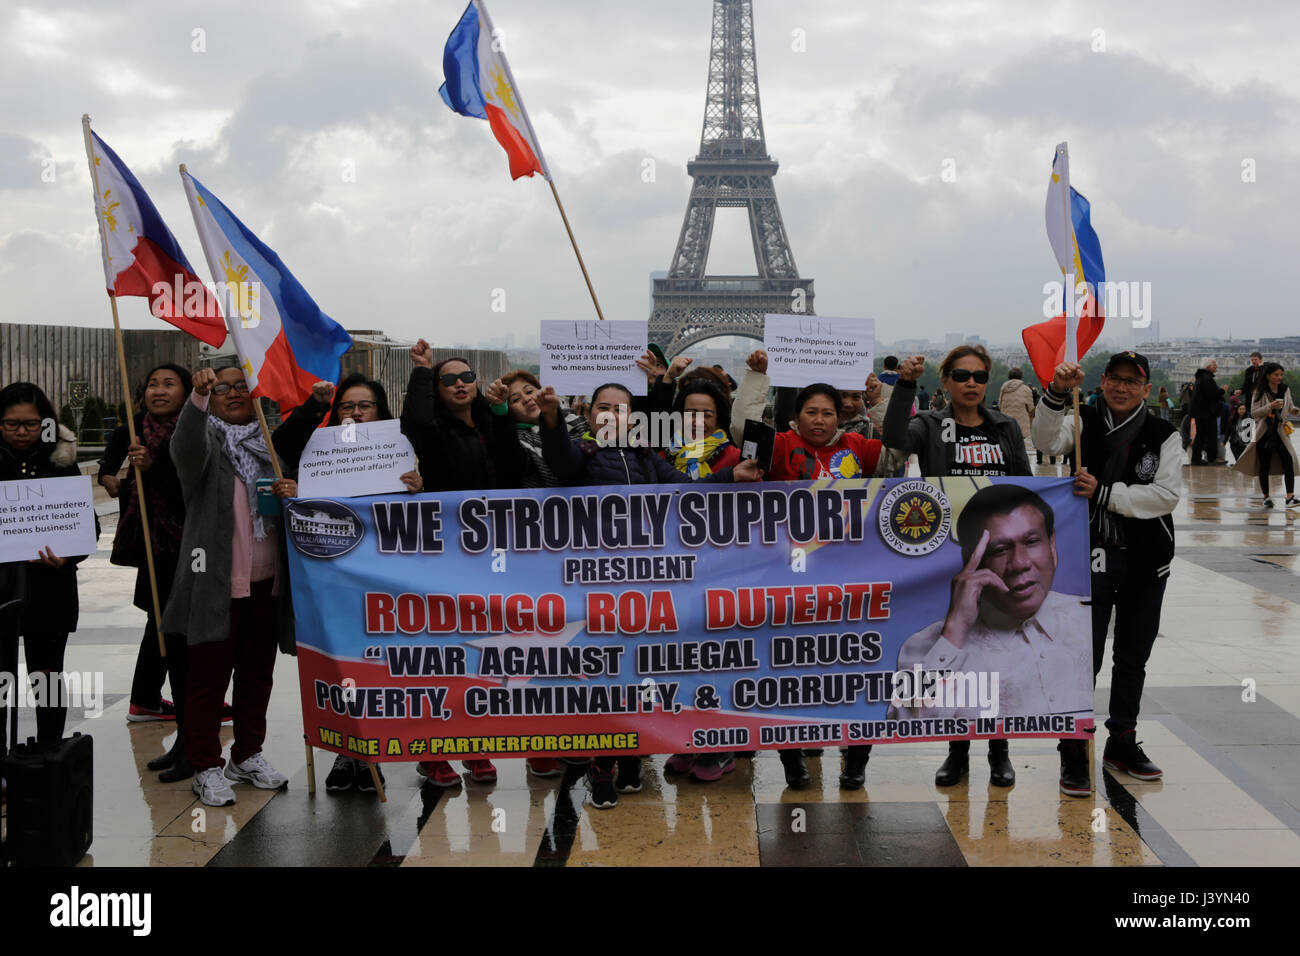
[(984, 443), (465, 442), (357, 399)]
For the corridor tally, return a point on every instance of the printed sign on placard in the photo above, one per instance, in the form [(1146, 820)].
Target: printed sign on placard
[(579, 357), (802, 349), (348, 461), (40, 513)]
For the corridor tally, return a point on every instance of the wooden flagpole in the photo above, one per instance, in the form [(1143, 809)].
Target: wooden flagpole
[(574, 242), (126, 394), (546, 170)]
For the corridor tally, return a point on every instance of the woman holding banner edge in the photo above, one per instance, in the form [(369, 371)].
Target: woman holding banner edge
[(817, 447), (356, 400), (980, 442), (464, 441)]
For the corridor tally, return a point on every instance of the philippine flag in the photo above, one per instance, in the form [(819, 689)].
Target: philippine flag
[(1067, 337), (479, 84), (142, 257), (284, 341)]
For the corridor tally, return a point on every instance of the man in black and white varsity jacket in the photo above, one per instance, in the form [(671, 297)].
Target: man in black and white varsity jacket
[(1132, 477)]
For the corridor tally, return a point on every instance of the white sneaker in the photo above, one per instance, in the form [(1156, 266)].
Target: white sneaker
[(213, 790), (258, 772)]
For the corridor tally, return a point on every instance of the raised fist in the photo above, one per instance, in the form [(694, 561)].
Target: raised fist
[(204, 379), (422, 354)]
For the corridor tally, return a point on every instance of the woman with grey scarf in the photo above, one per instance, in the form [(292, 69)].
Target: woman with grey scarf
[(230, 598)]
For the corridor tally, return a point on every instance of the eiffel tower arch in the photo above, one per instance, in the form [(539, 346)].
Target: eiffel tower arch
[(732, 168)]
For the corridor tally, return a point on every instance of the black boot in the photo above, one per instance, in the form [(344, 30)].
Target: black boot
[(854, 774), (166, 760), (1075, 778), (1123, 752), (1001, 773), (180, 770), (956, 766), (796, 771)]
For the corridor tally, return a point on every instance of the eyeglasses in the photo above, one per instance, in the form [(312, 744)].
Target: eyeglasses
[(1125, 382), (21, 424), (451, 378), (225, 388), (346, 407), (964, 374)]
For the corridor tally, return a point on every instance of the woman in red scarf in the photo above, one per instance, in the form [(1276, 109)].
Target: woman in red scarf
[(816, 447)]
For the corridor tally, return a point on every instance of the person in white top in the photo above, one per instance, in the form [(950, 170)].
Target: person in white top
[(1004, 619)]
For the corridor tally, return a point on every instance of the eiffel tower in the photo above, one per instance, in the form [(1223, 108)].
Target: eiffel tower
[(732, 169)]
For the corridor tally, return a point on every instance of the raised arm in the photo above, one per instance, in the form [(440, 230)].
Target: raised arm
[(290, 439), (191, 446), (903, 431), (559, 450)]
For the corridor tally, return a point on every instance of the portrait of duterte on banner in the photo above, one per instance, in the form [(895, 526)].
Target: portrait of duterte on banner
[(1004, 620)]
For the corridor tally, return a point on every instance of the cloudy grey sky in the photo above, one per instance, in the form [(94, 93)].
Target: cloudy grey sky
[(287, 94)]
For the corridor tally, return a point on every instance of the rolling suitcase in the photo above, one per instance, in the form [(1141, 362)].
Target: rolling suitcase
[(49, 793)]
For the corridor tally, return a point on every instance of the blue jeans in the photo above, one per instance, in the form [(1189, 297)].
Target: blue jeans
[(1135, 596)]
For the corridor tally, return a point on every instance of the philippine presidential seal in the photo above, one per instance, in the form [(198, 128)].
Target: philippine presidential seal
[(914, 517), (323, 529)]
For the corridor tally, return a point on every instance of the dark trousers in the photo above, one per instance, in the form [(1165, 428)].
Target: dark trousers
[(150, 670), (1207, 441), (607, 764), (44, 652), (1264, 453), (248, 653), (177, 665), (1134, 596), (996, 745)]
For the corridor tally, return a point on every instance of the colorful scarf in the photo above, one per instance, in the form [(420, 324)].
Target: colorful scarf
[(246, 450), (692, 458)]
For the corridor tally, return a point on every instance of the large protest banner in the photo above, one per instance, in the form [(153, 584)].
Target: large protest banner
[(670, 618)]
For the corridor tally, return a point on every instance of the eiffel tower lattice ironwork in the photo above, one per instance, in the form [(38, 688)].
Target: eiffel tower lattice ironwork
[(732, 169)]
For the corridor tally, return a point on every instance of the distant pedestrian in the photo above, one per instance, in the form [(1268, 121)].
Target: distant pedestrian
[(1250, 379), (1206, 399), (1273, 411)]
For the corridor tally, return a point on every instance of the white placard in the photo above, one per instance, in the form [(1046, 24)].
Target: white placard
[(802, 349), (580, 356), (348, 461), (54, 513)]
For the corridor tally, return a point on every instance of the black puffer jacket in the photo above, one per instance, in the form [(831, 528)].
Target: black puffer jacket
[(453, 456), (290, 439), (586, 462), (51, 592)]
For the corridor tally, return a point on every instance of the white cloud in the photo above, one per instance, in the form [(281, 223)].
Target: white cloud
[(861, 122)]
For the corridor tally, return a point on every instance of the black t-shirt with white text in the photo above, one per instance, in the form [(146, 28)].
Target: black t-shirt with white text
[(976, 452)]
